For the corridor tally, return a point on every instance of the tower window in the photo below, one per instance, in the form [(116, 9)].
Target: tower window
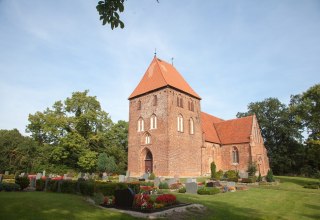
[(140, 125), (180, 123), (139, 105), (179, 102), (191, 125), (153, 122), (147, 139), (155, 100)]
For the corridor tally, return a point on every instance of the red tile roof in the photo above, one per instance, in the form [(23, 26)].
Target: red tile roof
[(161, 74), (226, 132)]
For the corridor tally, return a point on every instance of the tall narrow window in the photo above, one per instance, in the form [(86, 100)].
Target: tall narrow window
[(139, 105), (180, 123), (155, 100), (153, 122), (191, 125), (181, 103), (140, 124), (178, 101), (192, 106), (147, 139), (235, 155)]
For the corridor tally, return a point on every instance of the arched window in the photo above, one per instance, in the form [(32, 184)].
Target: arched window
[(139, 105), (192, 106), (191, 126), (235, 155), (140, 124), (155, 100), (180, 123), (147, 139), (179, 102), (153, 122)]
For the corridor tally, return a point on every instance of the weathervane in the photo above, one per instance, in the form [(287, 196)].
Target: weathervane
[(172, 61), (155, 52)]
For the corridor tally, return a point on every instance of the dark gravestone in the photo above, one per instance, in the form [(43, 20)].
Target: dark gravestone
[(124, 198), (142, 180), (209, 184)]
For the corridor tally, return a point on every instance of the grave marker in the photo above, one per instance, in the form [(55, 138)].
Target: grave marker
[(121, 178), (192, 187), (124, 198)]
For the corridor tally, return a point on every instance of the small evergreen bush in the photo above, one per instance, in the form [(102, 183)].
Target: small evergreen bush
[(40, 184), (68, 186), (269, 176), (259, 178), (218, 175), (152, 176), (23, 182), (208, 191), (163, 185), (213, 170), (231, 174), (252, 169), (182, 190), (98, 198)]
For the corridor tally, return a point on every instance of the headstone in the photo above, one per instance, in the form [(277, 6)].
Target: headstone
[(44, 173), (171, 181), (192, 187), (121, 178), (127, 173), (217, 184), (142, 180), (243, 174), (145, 176), (210, 184), (124, 198), (33, 182), (157, 181), (191, 180), (65, 176), (21, 174), (86, 176), (6, 173), (231, 184), (79, 175), (104, 176), (39, 175)]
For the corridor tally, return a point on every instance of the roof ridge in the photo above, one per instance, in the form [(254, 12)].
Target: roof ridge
[(157, 59), (234, 119)]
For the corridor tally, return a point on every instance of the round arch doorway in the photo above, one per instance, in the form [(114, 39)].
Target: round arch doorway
[(148, 162)]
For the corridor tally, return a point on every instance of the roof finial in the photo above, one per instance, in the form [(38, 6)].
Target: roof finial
[(155, 52), (172, 61)]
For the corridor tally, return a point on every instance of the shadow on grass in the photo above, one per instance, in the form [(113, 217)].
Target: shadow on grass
[(296, 180)]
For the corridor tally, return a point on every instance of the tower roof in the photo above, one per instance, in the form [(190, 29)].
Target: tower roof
[(162, 74)]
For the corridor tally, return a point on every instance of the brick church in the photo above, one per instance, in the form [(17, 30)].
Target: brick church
[(170, 135)]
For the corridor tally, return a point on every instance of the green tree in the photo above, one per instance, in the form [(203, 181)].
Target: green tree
[(281, 132), (17, 152), (70, 130), (106, 163)]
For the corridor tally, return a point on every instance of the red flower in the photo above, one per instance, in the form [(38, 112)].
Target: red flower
[(166, 199)]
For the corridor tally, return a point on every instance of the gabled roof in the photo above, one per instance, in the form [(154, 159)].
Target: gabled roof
[(208, 128), (226, 132), (162, 74)]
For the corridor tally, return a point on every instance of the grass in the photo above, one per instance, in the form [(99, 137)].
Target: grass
[(289, 200)]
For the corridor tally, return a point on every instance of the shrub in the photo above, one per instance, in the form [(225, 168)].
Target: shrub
[(235, 179), (8, 187), (213, 169), (68, 186), (208, 191), (108, 189), (98, 198), (146, 183), (252, 169), (166, 199), (40, 184), (269, 176), (52, 185), (230, 174), (259, 178), (23, 182), (152, 176), (10, 176), (163, 185), (86, 188), (109, 200), (218, 175), (182, 190)]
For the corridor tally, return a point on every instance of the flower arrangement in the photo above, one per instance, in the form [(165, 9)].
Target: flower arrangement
[(176, 186), (109, 200), (166, 199), (143, 201)]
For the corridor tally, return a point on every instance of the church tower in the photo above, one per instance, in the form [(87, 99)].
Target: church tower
[(165, 133)]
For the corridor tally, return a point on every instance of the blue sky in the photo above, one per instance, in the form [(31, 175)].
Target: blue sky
[(231, 52)]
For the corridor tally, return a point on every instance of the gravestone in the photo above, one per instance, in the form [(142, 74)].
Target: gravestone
[(39, 175), (121, 178), (127, 173), (217, 184), (157, 181), (210, 184), (79, 175), (50, 175), (191, 180), (6, 173), (44, 173), (192, 187), (231, 184), (86, 176), (243, 174), (124, 198), (171, 181), (33, 182), (104, 176), (145, 176)]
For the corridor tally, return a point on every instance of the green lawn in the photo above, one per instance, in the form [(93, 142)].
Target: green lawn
[(289, 200)]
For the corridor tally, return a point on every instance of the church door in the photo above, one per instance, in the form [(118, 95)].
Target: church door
[(148, 163)]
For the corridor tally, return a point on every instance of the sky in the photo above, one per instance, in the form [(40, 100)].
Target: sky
[(231, 52)]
